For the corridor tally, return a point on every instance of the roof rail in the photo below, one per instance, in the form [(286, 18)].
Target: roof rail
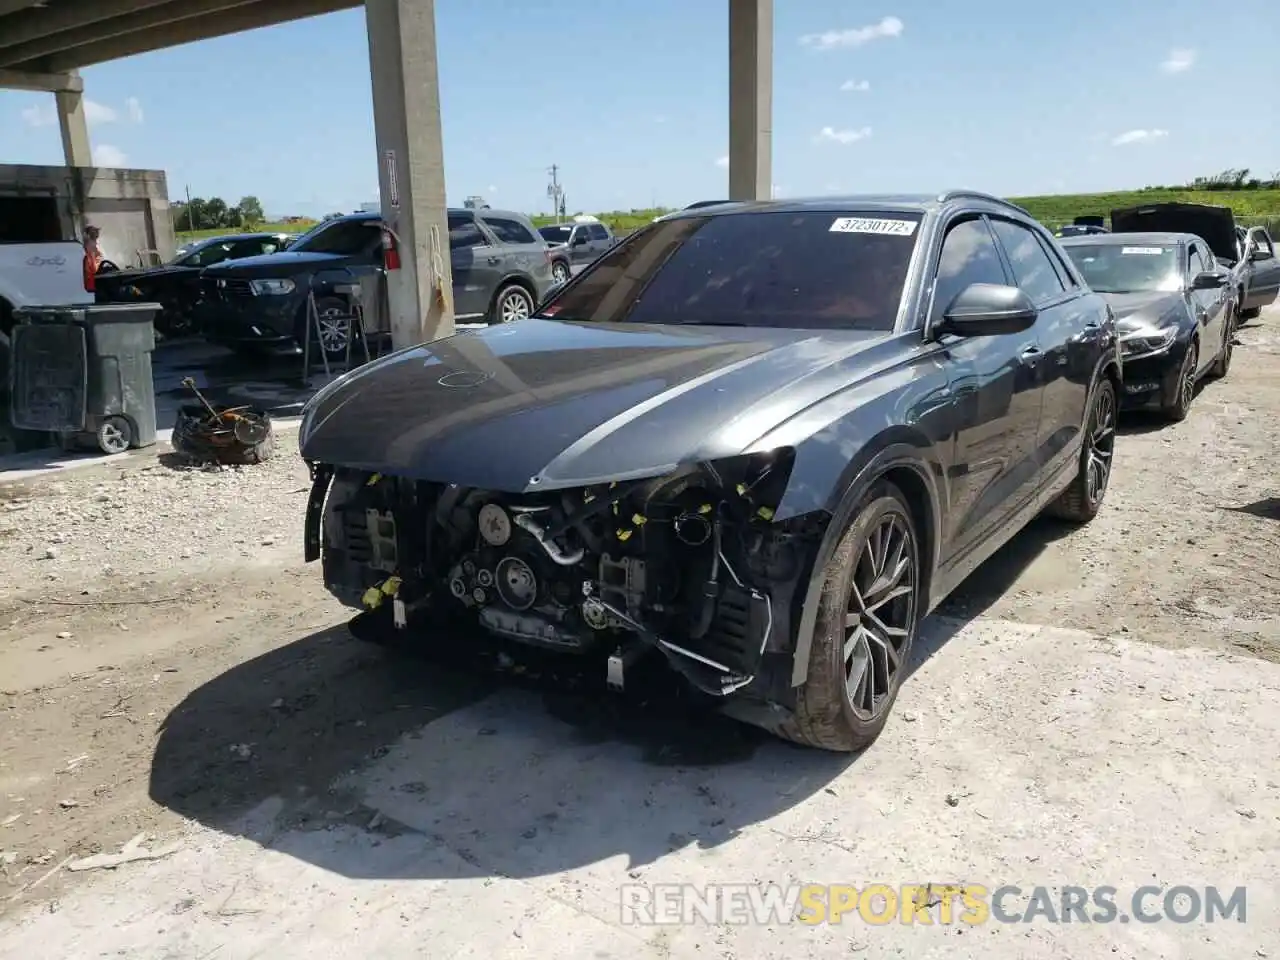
[(947, 195)]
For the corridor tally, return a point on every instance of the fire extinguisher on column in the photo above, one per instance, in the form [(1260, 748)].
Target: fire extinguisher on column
[(390, 249)]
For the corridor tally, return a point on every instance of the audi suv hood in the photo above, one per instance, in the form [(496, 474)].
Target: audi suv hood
[(546, 404), (1135, 309)]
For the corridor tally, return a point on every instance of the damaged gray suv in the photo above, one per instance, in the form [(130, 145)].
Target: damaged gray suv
[(758, 442)]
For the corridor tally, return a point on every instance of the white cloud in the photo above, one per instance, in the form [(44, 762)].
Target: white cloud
[(492, 188), (832, 135), (855, 37), (1179, 59), (95, 112), (855, 86), (722, 162), (660, 118), (134, 107), (105, 155), (1138, 136), (39, 116)]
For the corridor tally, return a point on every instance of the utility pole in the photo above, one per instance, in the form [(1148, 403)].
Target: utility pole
[(191, 223), (555, 191)]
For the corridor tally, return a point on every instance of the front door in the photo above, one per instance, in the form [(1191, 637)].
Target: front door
[(473, 274), (997, 394), (1209, 307), (1264, 285)]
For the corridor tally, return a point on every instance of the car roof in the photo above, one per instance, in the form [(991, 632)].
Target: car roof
[(490, 212), (224, 237), (849, 203), (1129, 239)]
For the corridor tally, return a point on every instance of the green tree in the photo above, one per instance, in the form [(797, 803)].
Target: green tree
[(215, 213), (251, 213)]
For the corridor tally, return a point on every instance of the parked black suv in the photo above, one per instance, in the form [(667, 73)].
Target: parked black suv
[(176, 285), (501, 269)]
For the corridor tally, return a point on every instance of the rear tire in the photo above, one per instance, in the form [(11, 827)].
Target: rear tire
[(1081, 501), (864, 630), (512, 303)]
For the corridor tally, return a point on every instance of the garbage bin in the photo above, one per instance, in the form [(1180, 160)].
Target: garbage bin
[(83, 373)]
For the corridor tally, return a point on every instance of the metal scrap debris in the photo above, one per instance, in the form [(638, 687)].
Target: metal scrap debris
[(221, 434), (131, 852)]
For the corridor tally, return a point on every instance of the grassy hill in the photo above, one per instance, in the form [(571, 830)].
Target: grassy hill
[(1251, 207)]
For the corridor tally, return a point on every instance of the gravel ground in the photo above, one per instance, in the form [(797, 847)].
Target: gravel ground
[(142, 598)]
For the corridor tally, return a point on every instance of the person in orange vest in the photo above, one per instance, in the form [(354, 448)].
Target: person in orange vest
[(92, 257)]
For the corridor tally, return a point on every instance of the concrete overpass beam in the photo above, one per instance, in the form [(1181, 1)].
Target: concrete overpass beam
[(42, 82), (750, 99), (406, 115), (76, 151)]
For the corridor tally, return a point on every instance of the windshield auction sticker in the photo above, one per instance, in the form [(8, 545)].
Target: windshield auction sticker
[(1143, 251), (889, 228)]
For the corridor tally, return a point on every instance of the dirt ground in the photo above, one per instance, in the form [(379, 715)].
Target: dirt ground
[(165, 655)]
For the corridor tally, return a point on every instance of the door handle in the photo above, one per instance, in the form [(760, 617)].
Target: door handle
[(1030, 354), (495, 259)]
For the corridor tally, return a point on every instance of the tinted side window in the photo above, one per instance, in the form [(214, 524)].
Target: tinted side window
[(465, 232), (1031, 266), (508, 231), (598, 232), (968, 256)]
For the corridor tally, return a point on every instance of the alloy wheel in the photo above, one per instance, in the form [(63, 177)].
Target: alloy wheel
[(879, 615), (559, 273), (335, 330), (1228, 340), (1187, 387), (514, 306), (1102, 441)]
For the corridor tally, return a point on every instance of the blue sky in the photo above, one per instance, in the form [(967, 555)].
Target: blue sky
[(629, 98)]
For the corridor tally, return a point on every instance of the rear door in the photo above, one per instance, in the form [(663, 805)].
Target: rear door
[(517, 247), (580, 246), (997, 393), (599, 239), (1265, 282)]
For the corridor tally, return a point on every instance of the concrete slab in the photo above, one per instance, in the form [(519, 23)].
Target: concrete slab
[(1019, 755)]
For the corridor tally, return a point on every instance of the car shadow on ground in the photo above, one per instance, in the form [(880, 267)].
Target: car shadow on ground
[(465, 760), (1266, 509)]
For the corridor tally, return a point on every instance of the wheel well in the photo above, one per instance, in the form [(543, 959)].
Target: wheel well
[(917, 494), (520, 282)]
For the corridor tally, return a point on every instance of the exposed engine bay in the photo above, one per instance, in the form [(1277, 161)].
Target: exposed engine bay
[(689, 565)]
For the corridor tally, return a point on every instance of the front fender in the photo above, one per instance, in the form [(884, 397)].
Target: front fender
[(903, 453)]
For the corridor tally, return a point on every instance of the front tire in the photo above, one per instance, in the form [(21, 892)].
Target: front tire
[(868, 615), (560, 272), (1184, 389), (1223, 363), (1081, 501)]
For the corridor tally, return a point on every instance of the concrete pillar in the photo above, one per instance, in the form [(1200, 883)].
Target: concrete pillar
[(406, 115), (750, 99), (75, 129)]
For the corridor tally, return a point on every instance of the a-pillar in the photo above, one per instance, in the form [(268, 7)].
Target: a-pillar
[(750, 99), (406, 116), (76, 151)]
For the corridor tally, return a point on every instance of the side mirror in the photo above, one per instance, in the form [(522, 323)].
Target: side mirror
[(579, 240), (988, 309), (1261, 253), (1208, 281)]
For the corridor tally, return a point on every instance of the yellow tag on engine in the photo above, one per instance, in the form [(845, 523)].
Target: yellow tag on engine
[(638, 519), (372, 598), (764, 513), (623, 535), (372, 480)]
